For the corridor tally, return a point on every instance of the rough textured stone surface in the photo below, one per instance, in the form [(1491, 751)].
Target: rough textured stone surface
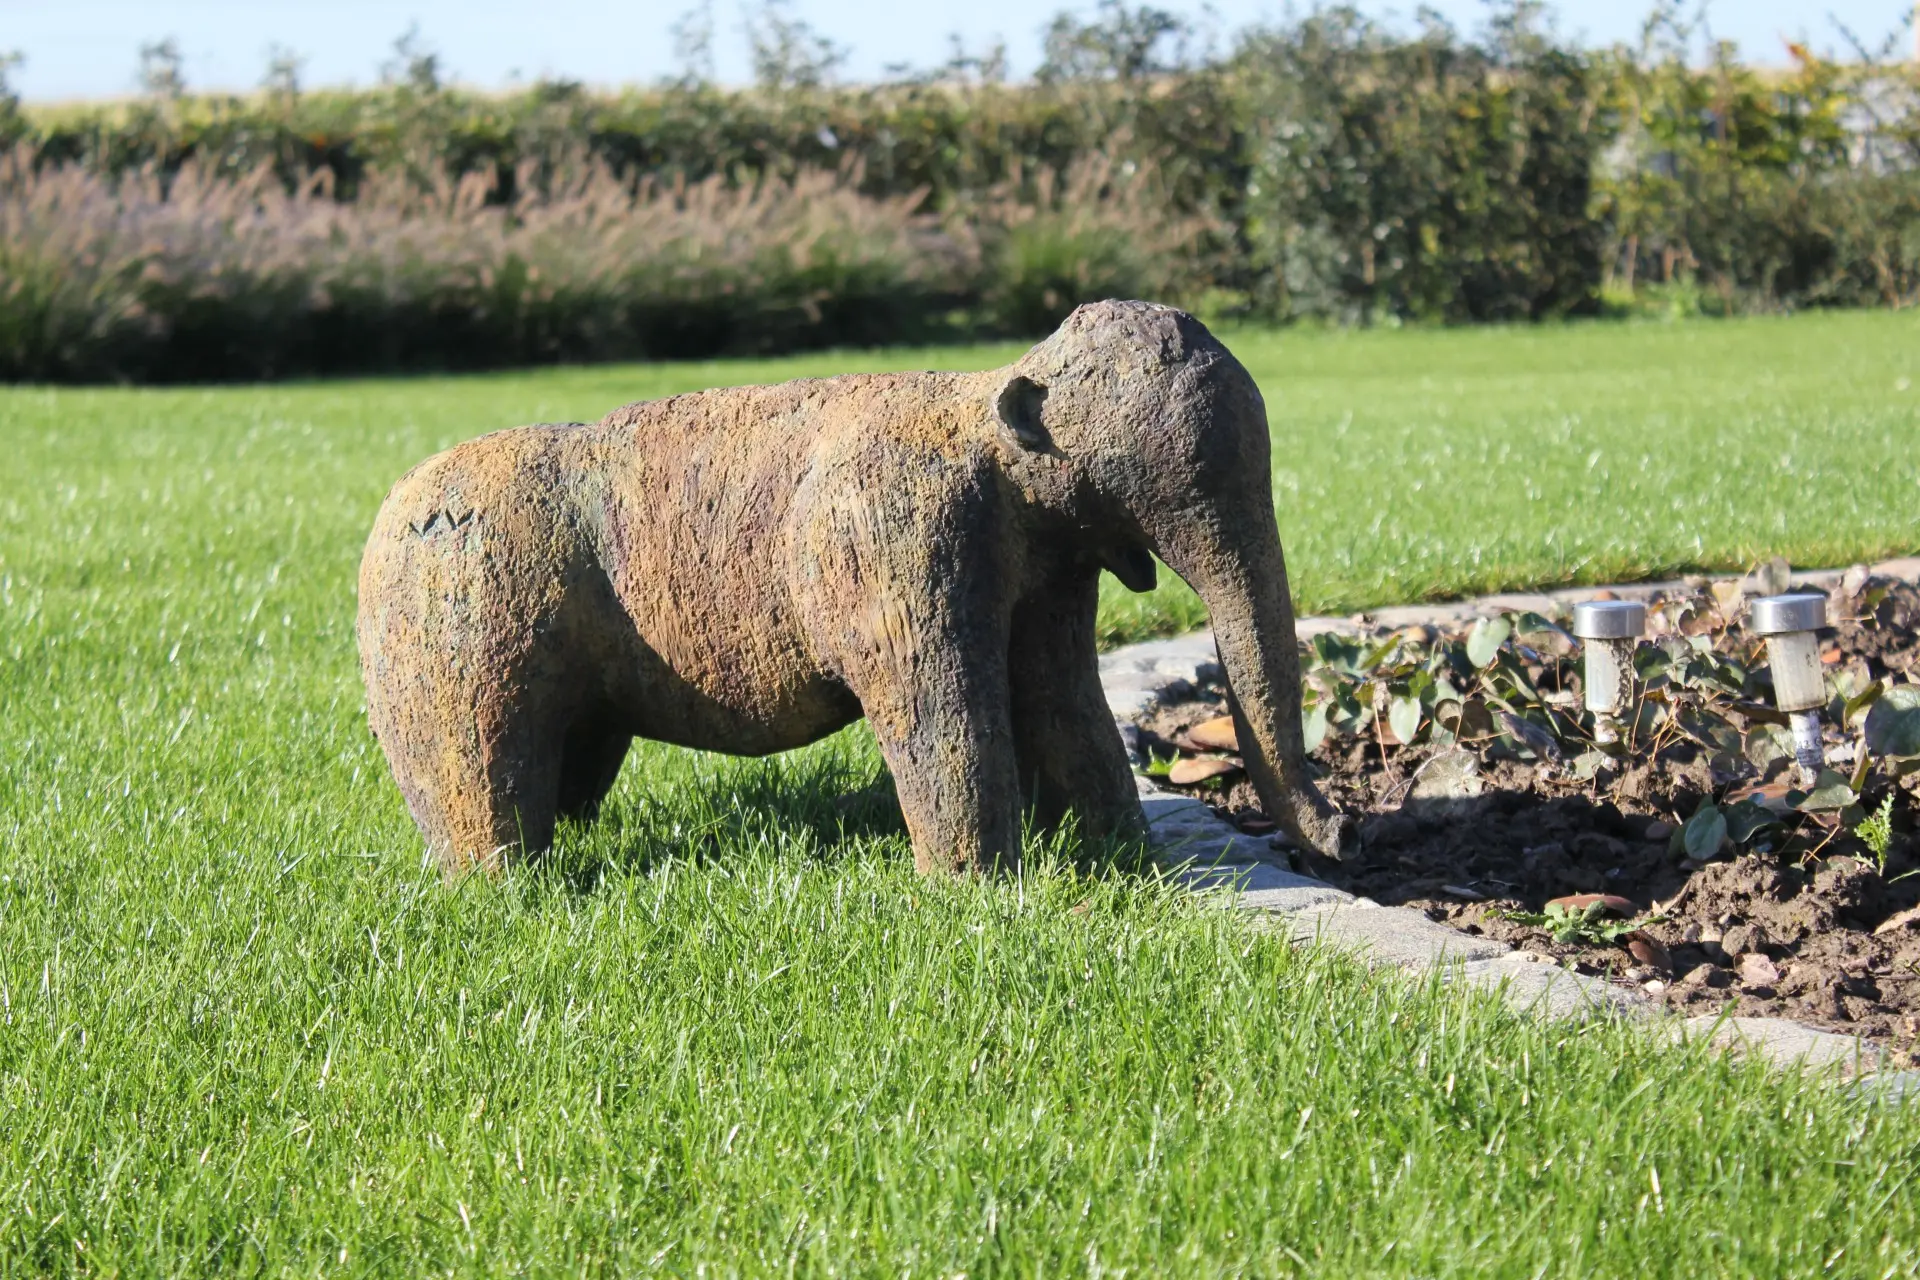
[(1298, 893), (1255, 884), (747, 570), (1784, 1043), (1897, 1087), (1389, 936), (1533, 984)]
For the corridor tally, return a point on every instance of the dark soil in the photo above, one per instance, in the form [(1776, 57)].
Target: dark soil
[(1806, 923)]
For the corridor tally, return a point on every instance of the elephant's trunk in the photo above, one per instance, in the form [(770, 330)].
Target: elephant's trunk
[(1243, 582)]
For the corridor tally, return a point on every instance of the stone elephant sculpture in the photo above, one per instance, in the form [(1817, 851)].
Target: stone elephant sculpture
[(748, 570)]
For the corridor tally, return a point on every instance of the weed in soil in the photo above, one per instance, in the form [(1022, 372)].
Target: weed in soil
[(1486, 802)]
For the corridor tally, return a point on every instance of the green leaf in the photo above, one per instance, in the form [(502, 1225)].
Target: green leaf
[(1380, 655), (1650, 661), (1745, 820), (1861, 769), (1338, 652), (1484, 641), (1453, 655), (1766, 743), (1709, 730), (1864, 699), (1589, 763), (1403, 717), (1345, 712), (1830, 792), (1893, 725), (1510, 668), (1313, 725), (1705, 832)]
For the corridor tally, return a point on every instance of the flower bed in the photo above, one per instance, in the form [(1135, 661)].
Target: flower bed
[(1688, 859)]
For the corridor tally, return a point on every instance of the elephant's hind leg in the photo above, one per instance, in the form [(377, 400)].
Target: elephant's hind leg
[(1069, 751), (481, 788), (506, 795)]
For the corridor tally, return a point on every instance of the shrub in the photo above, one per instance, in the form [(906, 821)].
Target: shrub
[(212, 278), (1798, 187), (1426, 178), (1104, 230)]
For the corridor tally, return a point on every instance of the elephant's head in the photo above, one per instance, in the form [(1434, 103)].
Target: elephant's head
[(1138, 427)]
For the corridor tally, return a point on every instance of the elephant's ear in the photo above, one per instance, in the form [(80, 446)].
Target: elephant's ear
[(1018, 407)]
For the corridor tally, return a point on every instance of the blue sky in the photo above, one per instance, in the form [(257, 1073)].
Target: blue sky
[(87, 48)]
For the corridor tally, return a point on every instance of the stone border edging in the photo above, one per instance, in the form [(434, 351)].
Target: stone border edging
[(1210, 856)]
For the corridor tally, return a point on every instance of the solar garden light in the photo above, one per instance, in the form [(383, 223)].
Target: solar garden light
[(1788, 622), (1609, 628)]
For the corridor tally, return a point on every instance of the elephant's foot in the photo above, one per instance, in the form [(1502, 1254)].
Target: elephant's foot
[(1316, 824)]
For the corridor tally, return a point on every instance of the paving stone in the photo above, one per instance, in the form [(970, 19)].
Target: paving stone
[(1534, 984), (1189, 659), (1907, 567), (1167, 811), (1887, 1086), (1183, 827), (1784, 1043), (1168, 814), (1209, 849), (1245, 879), (1145, 677), (1389, 936), (1299, 893)]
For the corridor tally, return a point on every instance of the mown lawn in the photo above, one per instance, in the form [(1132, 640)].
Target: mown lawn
[(726, 1030)]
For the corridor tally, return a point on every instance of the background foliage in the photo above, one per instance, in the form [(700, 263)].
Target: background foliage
[(1325, 167)]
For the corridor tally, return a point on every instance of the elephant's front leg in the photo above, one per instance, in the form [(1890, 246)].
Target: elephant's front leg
[(1070, 755), (938, 703)]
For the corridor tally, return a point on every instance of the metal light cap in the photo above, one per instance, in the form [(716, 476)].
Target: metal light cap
[(1781, 615), (1609, 619)]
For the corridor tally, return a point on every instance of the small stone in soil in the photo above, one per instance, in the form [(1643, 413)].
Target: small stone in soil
[(1451, 775), (1461, 891), (1658, 830), (1758, 971), (1908, 919), (1649, 952)]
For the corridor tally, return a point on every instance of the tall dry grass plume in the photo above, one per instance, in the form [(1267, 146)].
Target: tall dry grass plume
[(197, 276)]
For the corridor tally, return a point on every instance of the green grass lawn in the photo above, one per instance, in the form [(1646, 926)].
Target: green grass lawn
[(727, 1031)]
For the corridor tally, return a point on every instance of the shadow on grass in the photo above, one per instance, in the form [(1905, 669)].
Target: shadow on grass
[(826, 806)]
